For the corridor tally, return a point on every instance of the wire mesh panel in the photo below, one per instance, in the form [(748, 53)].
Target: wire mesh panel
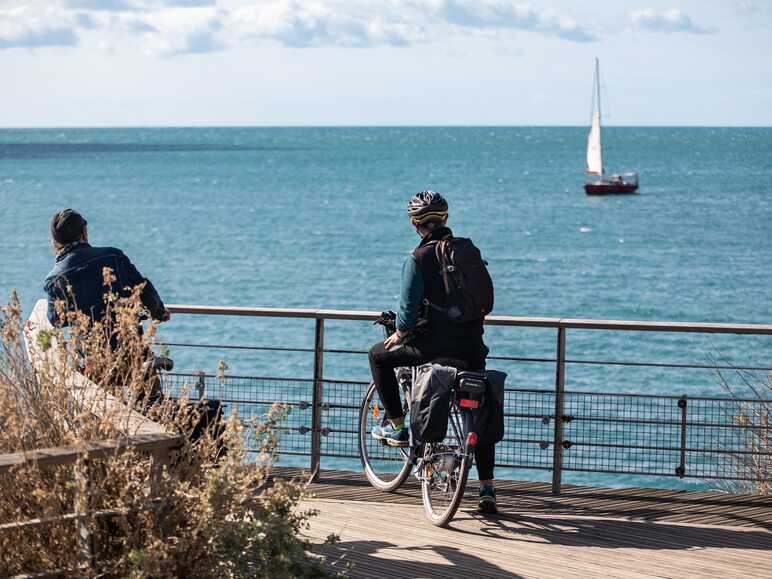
[(622, 433), (341, 422), (528, 429), (251, 398), (728, 439), (340, 418), (709, 438)]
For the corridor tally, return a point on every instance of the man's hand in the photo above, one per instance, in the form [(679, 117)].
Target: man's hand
[(393, 340)]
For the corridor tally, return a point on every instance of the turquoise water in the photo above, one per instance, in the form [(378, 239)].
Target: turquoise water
[(314, 217)]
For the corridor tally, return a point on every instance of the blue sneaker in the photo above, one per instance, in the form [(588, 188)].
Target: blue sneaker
[(392, 436), (487, 502)]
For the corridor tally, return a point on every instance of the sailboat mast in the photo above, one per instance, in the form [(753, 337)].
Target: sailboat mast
[(597, 83)]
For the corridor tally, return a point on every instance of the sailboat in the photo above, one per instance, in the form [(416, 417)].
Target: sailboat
[(600, 185)]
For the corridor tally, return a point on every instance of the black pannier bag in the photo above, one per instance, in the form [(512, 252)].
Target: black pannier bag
[(430, 402), (487, 420)]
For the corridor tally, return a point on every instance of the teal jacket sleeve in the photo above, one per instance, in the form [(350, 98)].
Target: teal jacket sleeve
[(411, 295)]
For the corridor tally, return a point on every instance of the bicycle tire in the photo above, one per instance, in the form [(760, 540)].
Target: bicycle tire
[(441, 517), (376, 479)]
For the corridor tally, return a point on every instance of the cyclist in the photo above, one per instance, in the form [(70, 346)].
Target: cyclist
[(434, 337)]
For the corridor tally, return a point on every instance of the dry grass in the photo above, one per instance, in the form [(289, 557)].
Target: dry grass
[(210, 518), (756, 422)]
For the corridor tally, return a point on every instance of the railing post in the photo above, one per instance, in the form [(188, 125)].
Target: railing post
[(158, 460), (83, 510), (316, 421), (681, 468), (560, 380)]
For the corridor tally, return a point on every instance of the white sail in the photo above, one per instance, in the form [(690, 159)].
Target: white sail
[(594, 154)]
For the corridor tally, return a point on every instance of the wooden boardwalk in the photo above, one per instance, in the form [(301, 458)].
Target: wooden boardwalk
[(585, 532)]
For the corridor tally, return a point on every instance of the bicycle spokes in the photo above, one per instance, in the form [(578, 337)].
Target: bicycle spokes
[(386, 466)]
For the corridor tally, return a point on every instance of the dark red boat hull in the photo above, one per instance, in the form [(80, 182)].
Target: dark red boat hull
[(607, 188)]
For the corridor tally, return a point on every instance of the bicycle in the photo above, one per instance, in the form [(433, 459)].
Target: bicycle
[(443, 467)]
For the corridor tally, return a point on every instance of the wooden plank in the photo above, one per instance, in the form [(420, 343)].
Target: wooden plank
[(84, 392), (534, 546), (635, 504), (48, 457)]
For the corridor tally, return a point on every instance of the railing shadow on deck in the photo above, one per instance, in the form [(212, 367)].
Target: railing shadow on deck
[(525, 501), (609, 533), (364, 555)]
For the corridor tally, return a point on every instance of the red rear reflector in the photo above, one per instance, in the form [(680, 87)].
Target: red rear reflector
[(466, 403), (471, 439)]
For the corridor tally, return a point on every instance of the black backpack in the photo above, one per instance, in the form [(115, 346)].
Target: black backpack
[(468, 285)]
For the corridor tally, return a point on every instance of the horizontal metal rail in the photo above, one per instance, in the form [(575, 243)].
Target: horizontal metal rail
[(532, 322), (560, 429)]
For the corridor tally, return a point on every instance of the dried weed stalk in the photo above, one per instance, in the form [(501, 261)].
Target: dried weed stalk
[(755, 420), (205, 518)]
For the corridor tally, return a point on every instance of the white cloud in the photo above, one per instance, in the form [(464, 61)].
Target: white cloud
[(313, 23), (516, 15), (100, 5), (177, 30), (673, 20), (130, 5), (396, 22), (36, 26), (180, 26)]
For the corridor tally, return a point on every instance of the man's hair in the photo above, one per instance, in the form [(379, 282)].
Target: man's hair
[(67, 226)]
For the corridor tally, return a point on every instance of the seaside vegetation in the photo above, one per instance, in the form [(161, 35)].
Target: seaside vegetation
[(209, 514), (755, 422)]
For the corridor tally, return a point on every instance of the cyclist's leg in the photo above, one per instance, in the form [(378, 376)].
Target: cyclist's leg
[(485, 458), (382, 364)]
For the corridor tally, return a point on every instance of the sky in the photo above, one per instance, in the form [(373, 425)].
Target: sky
[(383, 62)]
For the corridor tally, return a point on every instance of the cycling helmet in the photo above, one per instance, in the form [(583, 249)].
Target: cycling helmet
[(427, 206)]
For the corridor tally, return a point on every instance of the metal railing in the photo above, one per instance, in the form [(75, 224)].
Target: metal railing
[(550, 429)]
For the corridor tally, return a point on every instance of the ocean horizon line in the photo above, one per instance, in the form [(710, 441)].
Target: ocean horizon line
[(371, 126)]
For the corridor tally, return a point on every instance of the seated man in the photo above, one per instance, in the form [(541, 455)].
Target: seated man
[(439, 338), (77, 278)]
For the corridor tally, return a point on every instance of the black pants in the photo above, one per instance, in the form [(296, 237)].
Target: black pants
[(382, 364)]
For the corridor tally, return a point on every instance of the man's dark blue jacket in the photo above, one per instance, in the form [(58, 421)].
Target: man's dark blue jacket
[(78, 279)]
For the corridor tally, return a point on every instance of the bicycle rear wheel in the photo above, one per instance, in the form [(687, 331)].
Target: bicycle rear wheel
[(445, 470), (386, 467)]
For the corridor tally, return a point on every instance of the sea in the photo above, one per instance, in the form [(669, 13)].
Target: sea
[(315, 218)]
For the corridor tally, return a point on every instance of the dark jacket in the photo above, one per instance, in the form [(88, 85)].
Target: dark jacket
[(78, 279), (444, 337)]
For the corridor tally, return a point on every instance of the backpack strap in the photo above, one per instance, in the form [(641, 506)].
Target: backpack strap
[(441, 251), (441, 247)]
